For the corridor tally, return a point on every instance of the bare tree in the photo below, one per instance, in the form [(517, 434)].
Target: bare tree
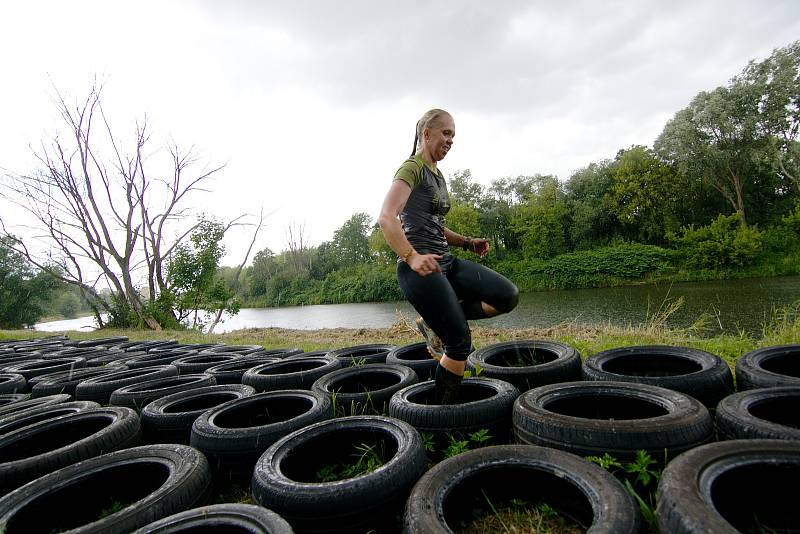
[(295, 240), (105, 219)]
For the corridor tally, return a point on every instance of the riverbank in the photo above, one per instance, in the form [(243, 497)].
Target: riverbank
[(587, 339)]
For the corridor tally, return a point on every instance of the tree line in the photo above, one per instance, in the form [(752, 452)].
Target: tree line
[(717, 195)]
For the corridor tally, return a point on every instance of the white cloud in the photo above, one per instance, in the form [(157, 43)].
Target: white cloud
[(312, 103)]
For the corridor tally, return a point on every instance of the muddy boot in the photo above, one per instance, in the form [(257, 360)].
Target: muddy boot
[(447, 386)]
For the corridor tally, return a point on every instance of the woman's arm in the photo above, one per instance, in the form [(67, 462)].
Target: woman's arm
[(393, 204)]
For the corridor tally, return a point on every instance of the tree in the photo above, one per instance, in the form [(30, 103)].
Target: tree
[(351, 240), (542, 220), (379, 248), (462, 189), (194, 285), (23, 291), (593, 222), (104, 216), (645, 195), (731, 136), (463, 219), (298, 252), (776, 83)]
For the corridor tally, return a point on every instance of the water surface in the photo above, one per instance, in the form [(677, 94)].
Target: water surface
[(727, 306)]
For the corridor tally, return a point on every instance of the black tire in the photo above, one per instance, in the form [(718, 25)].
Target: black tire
[(137, 396), (150, 359), (45, 366), (415, 356), (763, 413), (301, 354), (112, 358), (149, 482), (362, 354), (104, 341), (484, 404), (527, 363), (730, 487), (17, 358), (67, 381), (366, 389), (700, 374), (7, 399), (769, 367), (290, 373), (35, 450), (619, 418), (147, 346), (84, 352), (198, 363), (26, 403), (182, 346), (226, 517), (234, 434), (100, 388), (285, 477), (282, 353), (31, 416), (12, 383), (169, 419), (448, 495), (232, 372), (243, 350)]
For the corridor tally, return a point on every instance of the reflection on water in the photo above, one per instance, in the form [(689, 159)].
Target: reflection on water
[(729, 305)]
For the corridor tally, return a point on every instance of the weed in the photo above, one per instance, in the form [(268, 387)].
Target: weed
[(641, 467), (607, 461), (367, 458), (478, 371), (427, 441), (115, 507), (457, 444), (645, 474)]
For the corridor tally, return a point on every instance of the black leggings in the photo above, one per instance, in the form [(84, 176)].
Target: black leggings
[(448, 299)]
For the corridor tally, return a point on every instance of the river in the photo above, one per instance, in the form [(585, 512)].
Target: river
[(730, 306)]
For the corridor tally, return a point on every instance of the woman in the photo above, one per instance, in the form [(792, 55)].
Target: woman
[(446, 291)]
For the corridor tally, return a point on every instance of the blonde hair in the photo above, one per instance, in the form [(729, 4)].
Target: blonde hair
[(430, 118)]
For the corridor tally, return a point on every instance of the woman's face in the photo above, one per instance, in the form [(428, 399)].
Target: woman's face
[(439, 138)]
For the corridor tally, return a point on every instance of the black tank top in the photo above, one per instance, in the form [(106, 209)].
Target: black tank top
[(423, 216)]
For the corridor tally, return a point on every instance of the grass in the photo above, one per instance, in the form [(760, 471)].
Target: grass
[(367, 458), (521, 517)]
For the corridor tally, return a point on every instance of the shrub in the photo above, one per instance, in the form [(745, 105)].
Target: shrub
[(726, 242)]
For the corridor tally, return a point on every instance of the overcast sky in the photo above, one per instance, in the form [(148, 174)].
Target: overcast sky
[(312, 104)]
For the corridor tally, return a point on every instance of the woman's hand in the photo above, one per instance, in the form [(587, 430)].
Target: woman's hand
[(479, 246), (425, 264)]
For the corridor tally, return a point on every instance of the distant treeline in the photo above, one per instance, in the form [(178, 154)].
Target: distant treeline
[(717, 196)]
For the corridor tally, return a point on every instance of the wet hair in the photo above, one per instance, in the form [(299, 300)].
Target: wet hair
[(430, 118)]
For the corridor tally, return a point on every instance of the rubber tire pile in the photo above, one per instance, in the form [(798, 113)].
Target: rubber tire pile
[(111, 435)]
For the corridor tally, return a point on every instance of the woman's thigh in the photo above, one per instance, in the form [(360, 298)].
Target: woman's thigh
[(436, 301), (473, 281)]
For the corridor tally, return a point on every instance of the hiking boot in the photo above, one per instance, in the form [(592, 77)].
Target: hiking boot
[(435, 347)]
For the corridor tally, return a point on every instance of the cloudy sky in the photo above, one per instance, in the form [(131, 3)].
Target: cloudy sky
[(311, 104)]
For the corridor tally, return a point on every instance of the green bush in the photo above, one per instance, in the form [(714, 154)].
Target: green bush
[(792, 221), (606, 266), (726, 242)]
